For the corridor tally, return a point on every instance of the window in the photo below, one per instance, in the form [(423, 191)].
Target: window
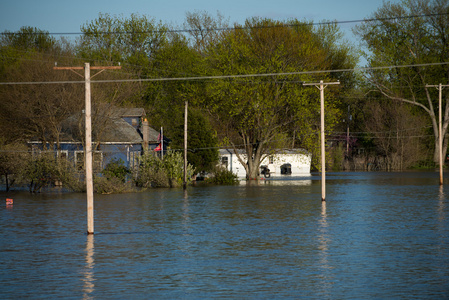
[(225, 161), (97, 160), (133, 159), (79, 160), (63, 154)]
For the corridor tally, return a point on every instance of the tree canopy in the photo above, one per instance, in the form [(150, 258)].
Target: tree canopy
[(393, 38), (257, 112)]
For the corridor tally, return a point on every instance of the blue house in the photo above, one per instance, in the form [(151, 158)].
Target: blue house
[(117, 133)]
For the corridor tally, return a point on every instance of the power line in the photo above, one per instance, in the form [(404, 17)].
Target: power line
[(226, 76), (236, 28)]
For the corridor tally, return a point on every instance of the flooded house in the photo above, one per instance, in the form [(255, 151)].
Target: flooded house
[(284, 162), (117, 134)]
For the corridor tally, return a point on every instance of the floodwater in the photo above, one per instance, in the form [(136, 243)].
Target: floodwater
[(378, 236)]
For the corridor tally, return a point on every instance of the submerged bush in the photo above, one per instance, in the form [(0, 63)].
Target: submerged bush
[(116, 170), (224, 176), (166, 172), (114, 185)]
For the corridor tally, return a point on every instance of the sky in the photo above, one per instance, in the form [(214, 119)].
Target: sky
[(62, 16)]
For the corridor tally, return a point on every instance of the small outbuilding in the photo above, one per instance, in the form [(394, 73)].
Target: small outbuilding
[(284, 162)]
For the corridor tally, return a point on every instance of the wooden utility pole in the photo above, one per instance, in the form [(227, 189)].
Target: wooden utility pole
[(162, 142), (88, 145), (185, 145), (321, 86), (440, 131)]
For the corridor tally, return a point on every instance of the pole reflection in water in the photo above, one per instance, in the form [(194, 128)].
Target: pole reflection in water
[(88, 278), (323, 248), (441, 204)]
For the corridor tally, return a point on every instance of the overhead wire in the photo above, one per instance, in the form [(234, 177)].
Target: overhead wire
[(225, 76), (185, 30)]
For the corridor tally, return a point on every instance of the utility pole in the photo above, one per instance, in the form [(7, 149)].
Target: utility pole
[(440, 137), (88, 146), (347, 131), (162, 142), (321, 86), (185, 144)]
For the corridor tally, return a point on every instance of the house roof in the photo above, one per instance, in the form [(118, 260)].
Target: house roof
[(108, 128), (118, 130), (124, 112), (225, 151)]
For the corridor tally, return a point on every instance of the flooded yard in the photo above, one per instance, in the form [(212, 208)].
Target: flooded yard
[(378, 236)]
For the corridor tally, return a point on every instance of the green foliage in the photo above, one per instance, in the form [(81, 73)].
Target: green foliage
[(337, 154), (28, 39), (133, 40), (113, 180), (116, 169), (44, 169), (40, 172), (202, 141), (224, 177), (391, 39), (167, 172), (113, 185), (13, 160), (253, 111)]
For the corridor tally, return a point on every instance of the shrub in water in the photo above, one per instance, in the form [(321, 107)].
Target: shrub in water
[(224, 176)]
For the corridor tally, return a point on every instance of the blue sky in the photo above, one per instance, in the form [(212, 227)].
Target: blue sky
[(67, 16)]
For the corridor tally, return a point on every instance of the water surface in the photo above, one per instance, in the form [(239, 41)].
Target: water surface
[(378, 236)]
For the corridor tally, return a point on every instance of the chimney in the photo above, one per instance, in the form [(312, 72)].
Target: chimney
[(146, 134)]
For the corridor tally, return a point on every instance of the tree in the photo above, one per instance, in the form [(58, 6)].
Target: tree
[(396, 132), (28, 39), (202, 141), (256, 113), (35, 110), (412, 32), (13, 160), (204, 28), (113, 39)]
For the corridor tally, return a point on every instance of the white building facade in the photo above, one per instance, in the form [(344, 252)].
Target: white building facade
[(292, 162)]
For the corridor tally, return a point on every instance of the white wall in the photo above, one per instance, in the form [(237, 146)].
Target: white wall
[(300, 161)]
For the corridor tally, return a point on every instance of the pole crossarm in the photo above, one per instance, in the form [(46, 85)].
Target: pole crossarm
[(320, 84), (92, 68)]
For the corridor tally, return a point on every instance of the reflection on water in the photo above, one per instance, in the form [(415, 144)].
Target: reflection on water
[(323, 247), (88, 279), (281, 181), (378, 235)]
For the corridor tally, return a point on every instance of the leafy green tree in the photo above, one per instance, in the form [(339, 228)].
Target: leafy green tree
[(28, 39), (255, 112), (202, 141), (412, 32), (165, 100), (113, 39)]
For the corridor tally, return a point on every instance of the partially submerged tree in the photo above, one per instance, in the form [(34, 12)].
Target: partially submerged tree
[(256, 111), (13, 160), (411, 35)]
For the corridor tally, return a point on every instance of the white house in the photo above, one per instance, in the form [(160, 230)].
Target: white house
[(293, 162)]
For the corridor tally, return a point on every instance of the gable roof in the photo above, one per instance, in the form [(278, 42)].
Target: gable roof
[(125, 112), (109, 127)]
